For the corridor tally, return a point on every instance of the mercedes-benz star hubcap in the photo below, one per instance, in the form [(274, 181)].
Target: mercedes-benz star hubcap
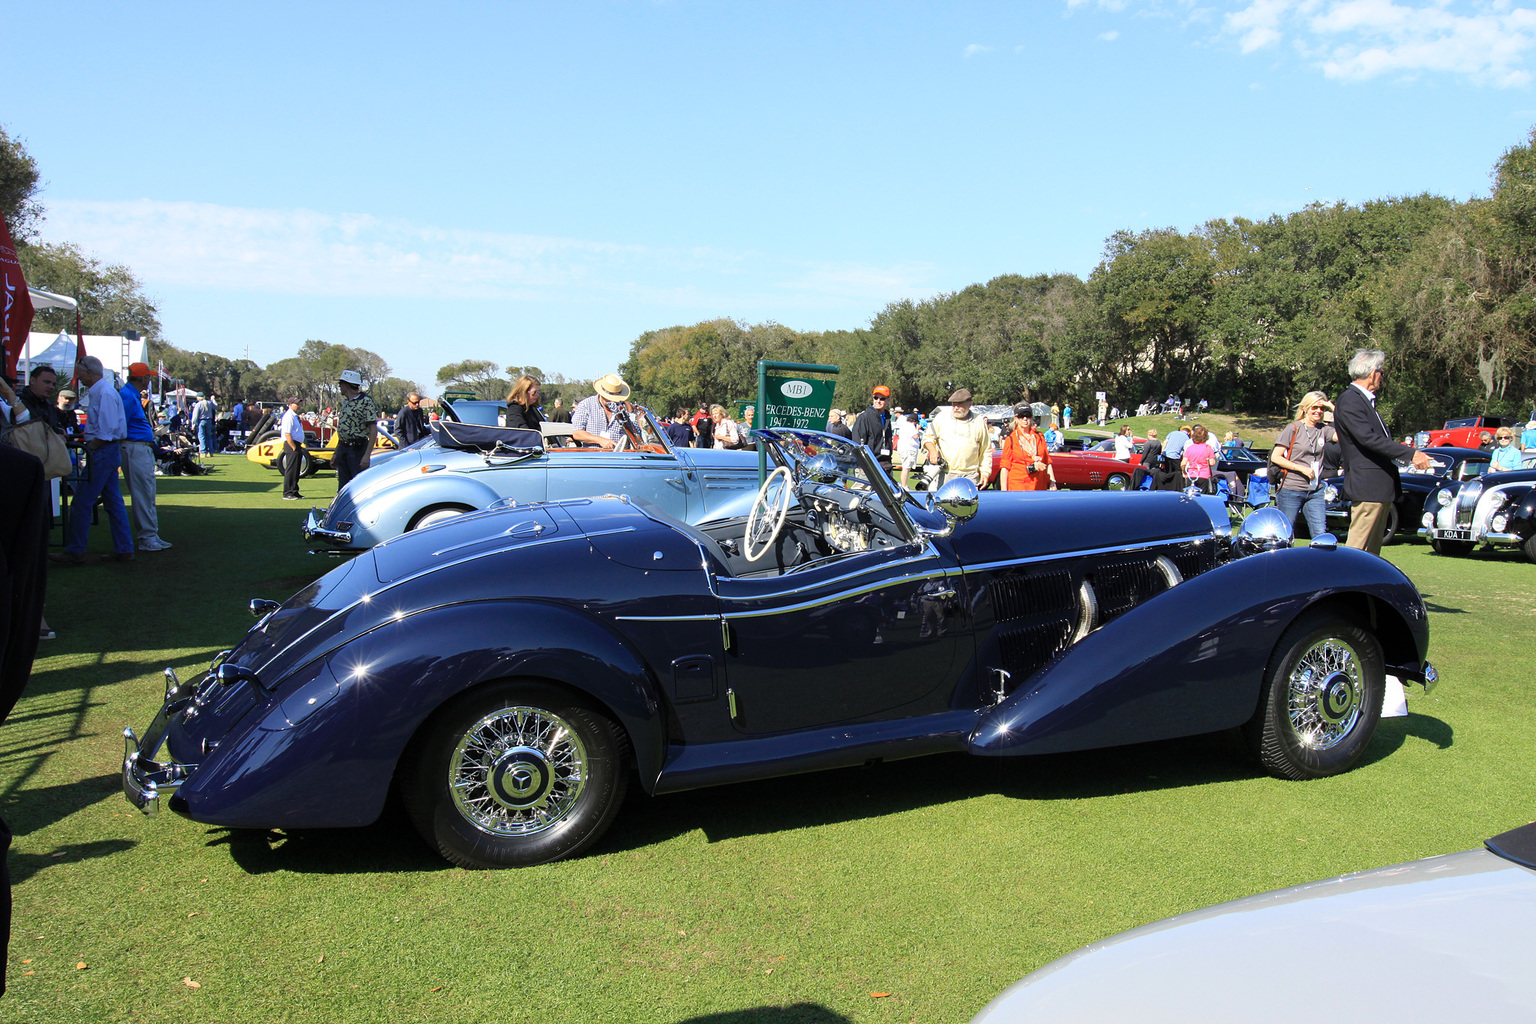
[(517, 771), (1326, 689)]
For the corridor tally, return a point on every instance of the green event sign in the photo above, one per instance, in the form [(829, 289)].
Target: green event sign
[(797, 402)]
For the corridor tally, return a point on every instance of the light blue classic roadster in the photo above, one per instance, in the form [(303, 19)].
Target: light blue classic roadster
[(466, 467)]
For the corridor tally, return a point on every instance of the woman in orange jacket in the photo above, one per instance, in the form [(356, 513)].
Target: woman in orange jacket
[(1026, 461)]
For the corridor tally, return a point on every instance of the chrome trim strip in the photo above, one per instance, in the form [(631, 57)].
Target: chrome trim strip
[(1081, 552), (928, 551), (666, 618), (841, 595)]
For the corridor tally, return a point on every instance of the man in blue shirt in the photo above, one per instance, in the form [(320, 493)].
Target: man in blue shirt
[(139, 460), (105, 429), (1173, 452), (204, 415)]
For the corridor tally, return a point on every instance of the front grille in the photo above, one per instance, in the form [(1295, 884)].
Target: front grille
[(1018, 597), (1038, 615), (1121, 586), (1026, 649), (1194, 559)]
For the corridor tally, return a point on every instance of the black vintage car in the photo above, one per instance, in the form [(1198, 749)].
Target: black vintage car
[(1451, 465), (1497, 510), (510, 672)]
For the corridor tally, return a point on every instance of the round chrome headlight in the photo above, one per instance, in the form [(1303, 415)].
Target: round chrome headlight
[(1330, 494), (1443, 497), (1428, 519), (1499, 522), (1266, 529)]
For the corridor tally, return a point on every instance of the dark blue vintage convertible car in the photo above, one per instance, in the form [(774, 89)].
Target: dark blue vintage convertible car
[(510, 672)]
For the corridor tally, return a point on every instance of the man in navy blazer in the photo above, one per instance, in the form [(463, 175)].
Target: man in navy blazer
[(1371, 480)]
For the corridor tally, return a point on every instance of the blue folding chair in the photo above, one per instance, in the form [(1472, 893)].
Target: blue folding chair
[(1258, 488)]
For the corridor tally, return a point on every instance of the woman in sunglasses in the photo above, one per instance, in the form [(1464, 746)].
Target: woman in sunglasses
[(1505, 455)]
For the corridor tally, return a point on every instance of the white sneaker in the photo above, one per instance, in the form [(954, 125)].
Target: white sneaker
[(155, 545)]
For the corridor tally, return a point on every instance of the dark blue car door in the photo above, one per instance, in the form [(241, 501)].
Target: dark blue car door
[(868, 635)]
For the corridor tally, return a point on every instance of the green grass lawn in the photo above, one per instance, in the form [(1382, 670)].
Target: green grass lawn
[(937, 881)]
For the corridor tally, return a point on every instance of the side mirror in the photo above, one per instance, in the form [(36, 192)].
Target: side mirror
[(229, 673), (958, 499), (822, 468)]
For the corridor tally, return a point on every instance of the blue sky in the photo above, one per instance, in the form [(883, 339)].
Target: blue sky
[(540, 183)]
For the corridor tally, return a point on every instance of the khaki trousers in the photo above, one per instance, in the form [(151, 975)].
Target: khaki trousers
[(1367, 520), (139, 472)]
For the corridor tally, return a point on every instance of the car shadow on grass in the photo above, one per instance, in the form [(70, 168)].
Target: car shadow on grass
[(388, 845), (872, 791), (820, 798), (798, 1013)]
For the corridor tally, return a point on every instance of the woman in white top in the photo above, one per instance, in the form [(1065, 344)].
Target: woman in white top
[(727, 433), (1124, 446)]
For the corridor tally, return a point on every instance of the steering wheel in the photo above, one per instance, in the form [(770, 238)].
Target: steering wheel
[(767, 516), (631, 438)]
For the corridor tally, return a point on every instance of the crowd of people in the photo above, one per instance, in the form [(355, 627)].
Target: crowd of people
[(116, 433)]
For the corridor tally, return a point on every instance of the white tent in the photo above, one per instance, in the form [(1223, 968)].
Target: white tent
[(58, 350)]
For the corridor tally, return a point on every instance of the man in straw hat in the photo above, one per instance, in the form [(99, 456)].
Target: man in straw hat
[(596, 418), (357, 426)]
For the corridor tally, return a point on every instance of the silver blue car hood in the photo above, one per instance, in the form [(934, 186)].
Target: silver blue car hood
[(1443, 939)]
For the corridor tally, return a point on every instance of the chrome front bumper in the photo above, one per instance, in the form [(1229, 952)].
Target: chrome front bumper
[(313, 529), (144, 778)]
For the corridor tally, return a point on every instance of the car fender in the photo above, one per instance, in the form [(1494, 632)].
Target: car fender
[(1192, 659), (389, 512), (1523, 520), (332, 766)]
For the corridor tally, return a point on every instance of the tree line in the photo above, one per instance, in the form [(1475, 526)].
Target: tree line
[(1248, 314)]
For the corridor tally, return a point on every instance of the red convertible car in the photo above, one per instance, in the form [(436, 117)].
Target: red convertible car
[(1096, 467)]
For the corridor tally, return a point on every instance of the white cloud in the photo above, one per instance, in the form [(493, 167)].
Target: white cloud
[(1258, 24), (1490, 42), (305, 252), (1109, 37), (975, 48)]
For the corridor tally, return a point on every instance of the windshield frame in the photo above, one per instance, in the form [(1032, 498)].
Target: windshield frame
[(857, 469)]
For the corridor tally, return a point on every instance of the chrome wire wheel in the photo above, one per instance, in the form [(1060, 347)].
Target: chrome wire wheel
[(518, 771), (1321, 697), (1325, 691)]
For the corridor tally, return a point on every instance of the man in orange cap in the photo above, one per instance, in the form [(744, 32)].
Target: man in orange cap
[(873, 427), (139, 460)]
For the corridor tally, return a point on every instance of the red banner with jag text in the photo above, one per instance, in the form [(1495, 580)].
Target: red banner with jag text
[(15, 303)]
